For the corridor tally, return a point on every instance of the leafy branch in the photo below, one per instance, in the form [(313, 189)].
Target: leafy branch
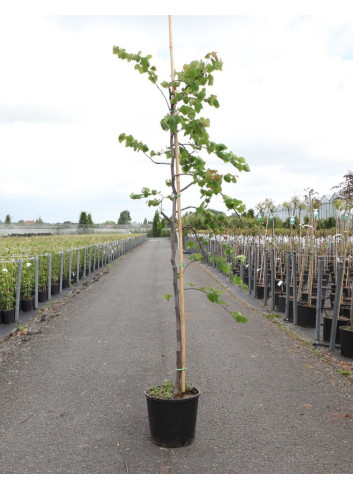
[(187, 96)]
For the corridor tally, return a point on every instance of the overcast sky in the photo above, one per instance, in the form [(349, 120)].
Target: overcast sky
[(285, 93)]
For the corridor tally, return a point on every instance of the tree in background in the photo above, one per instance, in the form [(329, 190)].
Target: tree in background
[(82, 223), (89, 220), (156, 228), (8, 219), (124, 217)]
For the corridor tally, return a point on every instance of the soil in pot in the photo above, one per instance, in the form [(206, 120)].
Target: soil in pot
[(346, 341), (173, 421), (327, 325)]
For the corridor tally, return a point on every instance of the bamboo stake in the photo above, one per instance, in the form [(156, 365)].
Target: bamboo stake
[(180, 227)]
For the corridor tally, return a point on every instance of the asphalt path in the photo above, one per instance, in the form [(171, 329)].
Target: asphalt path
[(72, 392)]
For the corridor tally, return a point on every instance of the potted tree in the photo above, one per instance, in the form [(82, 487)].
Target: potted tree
[(345, 191), (8, 279), (266, 210), (172, 406), (307, 305), (27, 286)]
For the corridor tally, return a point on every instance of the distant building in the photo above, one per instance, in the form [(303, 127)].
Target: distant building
[(326, 209)]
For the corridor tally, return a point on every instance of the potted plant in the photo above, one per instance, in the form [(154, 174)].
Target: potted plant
[(306, 307), (266, 210), (8, 280), (345, 204), (42, 278), (27, 286), (172, 405)]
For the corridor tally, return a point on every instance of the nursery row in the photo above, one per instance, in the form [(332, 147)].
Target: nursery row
[(27, 280), (312, 289)]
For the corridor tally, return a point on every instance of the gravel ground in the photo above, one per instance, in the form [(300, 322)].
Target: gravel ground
[(72, 383)]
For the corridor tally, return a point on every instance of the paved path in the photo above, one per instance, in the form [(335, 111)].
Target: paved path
[(71, 397)]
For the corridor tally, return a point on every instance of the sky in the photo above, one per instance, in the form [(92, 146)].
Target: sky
[(285, 93)]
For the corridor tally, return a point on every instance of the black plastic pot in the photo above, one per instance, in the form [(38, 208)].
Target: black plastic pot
[(260, 290), (328, 326), (43, 295), (281, 303), (172, 421), (345, 311), (305, 297), (27, 305), (306, 315), (346, 341), (65, 283), (55, 288), (8, 316)]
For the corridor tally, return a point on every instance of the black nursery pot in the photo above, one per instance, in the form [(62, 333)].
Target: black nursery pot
[(27, 305), (172, 421), (260, 291), (346, 341), (65, 283), (55, 288), (306, 315), (8, 316), (42, 295), (328, 326)]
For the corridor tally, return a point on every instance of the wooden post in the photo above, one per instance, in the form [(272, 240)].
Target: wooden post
[(180, 227)]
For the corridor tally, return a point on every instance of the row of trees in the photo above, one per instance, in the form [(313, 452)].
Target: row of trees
[(260, 217), (8, 220), (263, 216), (85, 219)]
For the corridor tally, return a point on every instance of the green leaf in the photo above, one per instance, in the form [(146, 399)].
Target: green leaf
[(153, 202), (167, 296), (236, 279), (164, 124), (212, 296), (241, 258), (136, 196), (240, 318)]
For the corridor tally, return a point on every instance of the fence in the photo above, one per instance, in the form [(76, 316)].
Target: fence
[(311, 289), (27, 281)]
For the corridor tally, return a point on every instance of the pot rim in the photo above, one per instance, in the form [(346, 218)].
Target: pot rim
[(346, 328), (158, 399)]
